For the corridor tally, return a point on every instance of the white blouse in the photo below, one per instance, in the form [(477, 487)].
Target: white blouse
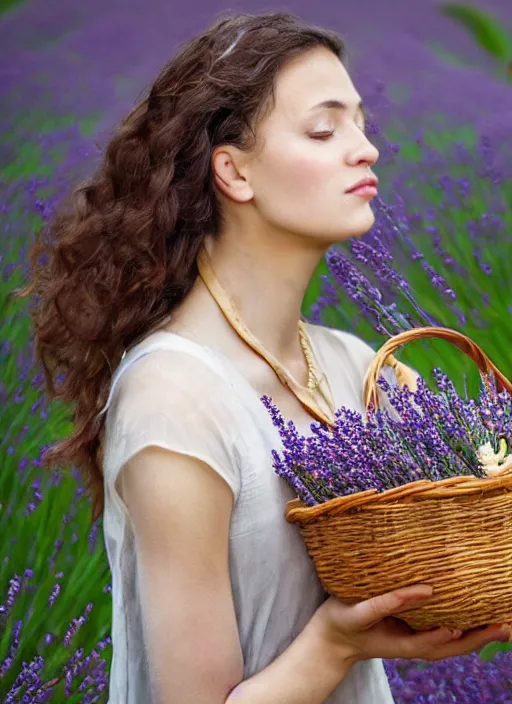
[(178, 394)]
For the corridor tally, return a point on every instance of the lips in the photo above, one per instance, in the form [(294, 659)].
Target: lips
[(368, 182)]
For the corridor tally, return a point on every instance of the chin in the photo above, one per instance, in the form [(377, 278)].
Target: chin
[(357, 224), (357, 227), (352, 233), (362, 224)]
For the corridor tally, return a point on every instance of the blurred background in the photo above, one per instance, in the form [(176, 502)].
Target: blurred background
[(437, 78)]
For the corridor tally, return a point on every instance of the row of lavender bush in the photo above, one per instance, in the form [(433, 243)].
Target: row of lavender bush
[(444, 221)]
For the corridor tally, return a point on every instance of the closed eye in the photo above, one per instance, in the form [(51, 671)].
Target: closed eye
[(326, 134), (321, 135)]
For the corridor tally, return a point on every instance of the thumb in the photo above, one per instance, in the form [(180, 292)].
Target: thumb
[(367, 613)]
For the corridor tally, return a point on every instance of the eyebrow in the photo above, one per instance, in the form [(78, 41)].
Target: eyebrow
[(338, 105)]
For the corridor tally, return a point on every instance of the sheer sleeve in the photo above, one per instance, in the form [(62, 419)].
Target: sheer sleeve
[(173, 400)]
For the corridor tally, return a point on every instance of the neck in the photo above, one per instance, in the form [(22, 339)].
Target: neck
[(267, 284)]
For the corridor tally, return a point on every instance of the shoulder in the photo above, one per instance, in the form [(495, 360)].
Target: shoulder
[(175, 400), (172, 376), (182, 369), (353, 346)]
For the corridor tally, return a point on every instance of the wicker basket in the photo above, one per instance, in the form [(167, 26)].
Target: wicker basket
[(455, 534)]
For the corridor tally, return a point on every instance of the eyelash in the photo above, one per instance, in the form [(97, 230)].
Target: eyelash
[(325, 135), (321, 135)]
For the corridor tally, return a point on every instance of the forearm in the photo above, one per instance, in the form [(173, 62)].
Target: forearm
[(307, 672)]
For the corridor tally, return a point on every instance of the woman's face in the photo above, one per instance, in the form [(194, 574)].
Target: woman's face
[(308, 155)]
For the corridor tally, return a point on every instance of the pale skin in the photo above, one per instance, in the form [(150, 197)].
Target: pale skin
[(284, 205)]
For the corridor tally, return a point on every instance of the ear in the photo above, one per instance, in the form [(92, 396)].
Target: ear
[(230, 173)]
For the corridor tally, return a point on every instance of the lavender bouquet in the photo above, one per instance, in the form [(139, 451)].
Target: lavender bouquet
[(423, 434)]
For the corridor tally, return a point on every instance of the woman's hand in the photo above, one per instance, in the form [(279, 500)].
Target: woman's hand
[(369, 629)]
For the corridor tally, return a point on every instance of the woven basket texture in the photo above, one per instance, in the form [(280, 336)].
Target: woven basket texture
[(455, 534)]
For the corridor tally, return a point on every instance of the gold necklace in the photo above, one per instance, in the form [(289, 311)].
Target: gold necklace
[(316, 383)]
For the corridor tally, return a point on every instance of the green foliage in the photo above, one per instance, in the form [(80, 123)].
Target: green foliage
[(8, 5), (61, 518), (485, 29)]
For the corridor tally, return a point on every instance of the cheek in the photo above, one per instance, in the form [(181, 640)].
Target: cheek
[(298, 186), (306, 173), (295, 170), (312, 178)]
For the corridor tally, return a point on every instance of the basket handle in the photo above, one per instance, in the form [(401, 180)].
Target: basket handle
[(405, 375)]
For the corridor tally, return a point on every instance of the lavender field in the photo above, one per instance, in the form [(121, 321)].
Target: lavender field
[(440, 253)]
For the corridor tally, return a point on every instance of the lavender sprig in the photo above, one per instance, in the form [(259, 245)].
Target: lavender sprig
[(421, 435)]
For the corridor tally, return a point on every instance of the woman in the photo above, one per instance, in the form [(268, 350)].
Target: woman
[(182, 265)]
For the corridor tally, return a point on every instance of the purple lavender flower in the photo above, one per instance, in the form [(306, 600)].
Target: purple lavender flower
[(422, 434), (464, 680), (76, 624)]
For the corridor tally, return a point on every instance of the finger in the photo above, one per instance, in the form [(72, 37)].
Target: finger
[(367, 613), (421, 643), (474, 640)]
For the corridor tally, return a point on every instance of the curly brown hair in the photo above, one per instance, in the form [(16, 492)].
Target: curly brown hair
[(120, 251)]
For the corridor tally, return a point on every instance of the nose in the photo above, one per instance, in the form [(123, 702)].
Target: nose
[(362, 151)]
